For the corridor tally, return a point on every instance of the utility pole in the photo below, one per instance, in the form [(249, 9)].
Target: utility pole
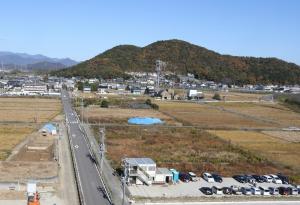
[(102, 147), (124, 179), (81, 110), (158, 70)]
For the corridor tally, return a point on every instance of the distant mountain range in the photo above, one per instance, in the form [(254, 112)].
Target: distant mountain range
[(33, 62), (182, 58)]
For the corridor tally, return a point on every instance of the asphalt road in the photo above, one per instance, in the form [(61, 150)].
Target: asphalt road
[(89, 180)]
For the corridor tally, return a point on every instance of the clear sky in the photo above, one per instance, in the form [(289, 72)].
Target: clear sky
[(81, 29)]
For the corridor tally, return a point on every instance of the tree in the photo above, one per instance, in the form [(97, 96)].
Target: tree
[(104, 104), (80, 85), (148, 102), (216, 96), (94, 86)]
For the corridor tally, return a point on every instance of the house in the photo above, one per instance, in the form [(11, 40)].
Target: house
[(140, 170), (194, 94), (93, 80), (49, 129), (136, 91), (87, 89), (166, 94), (144, 171), (102, 91)]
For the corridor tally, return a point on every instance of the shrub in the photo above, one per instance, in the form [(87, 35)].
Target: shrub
[(154, 106), (216, 96), (104, 104), (148, 102)]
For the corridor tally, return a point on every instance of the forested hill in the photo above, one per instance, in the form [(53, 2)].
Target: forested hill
[(183, 57)]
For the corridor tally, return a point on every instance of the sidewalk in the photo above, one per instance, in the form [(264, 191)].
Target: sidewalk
[(66, 172)]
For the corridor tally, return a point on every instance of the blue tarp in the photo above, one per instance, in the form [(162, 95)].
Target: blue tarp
[(49, 127), (144, 120)]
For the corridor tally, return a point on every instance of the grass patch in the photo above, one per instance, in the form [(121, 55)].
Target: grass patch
[(281, 152), (184, 149)]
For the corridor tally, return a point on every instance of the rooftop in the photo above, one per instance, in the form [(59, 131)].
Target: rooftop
[(139, 161)]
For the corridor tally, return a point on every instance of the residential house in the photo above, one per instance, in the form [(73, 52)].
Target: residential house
[(87, 89)]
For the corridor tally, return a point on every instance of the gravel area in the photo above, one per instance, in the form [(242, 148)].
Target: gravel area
[(182, 189)]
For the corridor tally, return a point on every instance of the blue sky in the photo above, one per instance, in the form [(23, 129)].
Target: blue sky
[(81, 29)]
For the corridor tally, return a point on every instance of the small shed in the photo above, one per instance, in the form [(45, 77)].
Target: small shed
[(175, 175), (163, 175), (49, 129)]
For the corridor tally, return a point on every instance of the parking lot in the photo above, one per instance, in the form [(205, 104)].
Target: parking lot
[(191, 189)]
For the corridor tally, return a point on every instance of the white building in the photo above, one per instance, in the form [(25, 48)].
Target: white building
[(34, 89), (140, 170), (144, 171)]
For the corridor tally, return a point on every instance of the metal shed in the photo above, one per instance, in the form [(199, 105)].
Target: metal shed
[(163, 175)]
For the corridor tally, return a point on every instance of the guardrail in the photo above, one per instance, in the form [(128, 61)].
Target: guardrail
[(77, 178)]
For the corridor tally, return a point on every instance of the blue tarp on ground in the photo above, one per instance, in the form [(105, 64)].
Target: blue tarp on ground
[(144, 120)]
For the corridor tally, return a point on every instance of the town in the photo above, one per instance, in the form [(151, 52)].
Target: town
[(150, 102)]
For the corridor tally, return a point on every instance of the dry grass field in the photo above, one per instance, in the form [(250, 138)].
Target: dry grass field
[(27, 109), (185, 149), (273, 112), (15, 111), (279, 151), (10, 136), (291, 136), (207, 116), (120, 115), (234, 96)]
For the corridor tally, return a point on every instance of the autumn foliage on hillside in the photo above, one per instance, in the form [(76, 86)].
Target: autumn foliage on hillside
[(182, 57)]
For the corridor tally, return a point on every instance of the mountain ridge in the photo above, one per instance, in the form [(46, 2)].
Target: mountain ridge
[(24, 60), (183, 57)]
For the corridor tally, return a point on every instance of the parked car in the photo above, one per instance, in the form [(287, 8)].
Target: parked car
[(258, 179), (284, 179), (240, 178), (236, 190), (275, 179), (255, 191), (292, 190), (250, 179), (246, 191), (264, 191), (206, 190), (184, 177), (208, 177), (274, 190), (217, 177), (284, 191), (267, 178), (193, 176), (227, 190), (217, 190)]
